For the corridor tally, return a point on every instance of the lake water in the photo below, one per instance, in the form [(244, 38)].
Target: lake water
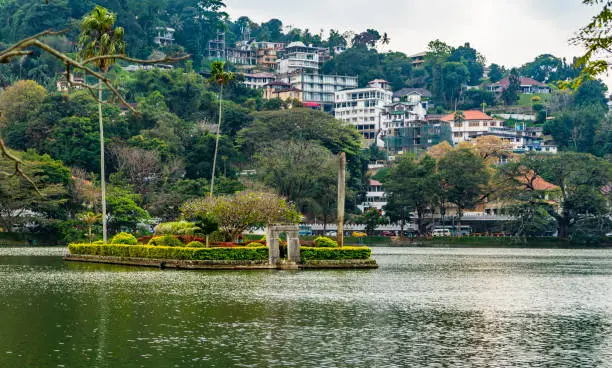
[(421, 308)]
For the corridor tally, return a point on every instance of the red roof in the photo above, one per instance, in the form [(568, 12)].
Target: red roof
[(525, 81), (538, 183), (374, 183), (468, 115)]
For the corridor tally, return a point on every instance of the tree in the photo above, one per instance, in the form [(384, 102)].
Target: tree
[(99, 37), (245, 210), (90, 219), (123, 209), (510, 95), (296, 169), (20, 101), (595, 37), (496, 73), (371, 218), (220, 78), (591, 92), (464, 177), (454, 76), (412, 186)]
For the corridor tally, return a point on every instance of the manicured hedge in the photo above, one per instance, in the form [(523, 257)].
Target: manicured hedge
[(311, 254), (163, 252)]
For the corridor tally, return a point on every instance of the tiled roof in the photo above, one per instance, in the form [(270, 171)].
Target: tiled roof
[(468, 115), (525, 81), (538, 183), (374, 183)]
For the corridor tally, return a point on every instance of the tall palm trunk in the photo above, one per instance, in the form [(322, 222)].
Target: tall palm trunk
[(212, 180), (102, 173)]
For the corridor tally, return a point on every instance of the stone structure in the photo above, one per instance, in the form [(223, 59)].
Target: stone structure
[(273, 233)]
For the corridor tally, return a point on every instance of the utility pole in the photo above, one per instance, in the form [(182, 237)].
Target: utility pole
[(341, 198)]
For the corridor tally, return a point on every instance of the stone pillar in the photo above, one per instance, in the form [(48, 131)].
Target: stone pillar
[(341, 198), (273, 247), (293, 247)]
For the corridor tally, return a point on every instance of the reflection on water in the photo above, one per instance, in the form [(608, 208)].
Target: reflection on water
[(422, 307)]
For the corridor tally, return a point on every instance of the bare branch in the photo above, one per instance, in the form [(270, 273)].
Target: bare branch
[(137, 61), (5, 152)]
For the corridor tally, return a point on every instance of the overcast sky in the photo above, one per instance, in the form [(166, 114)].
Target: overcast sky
[(507, 32)]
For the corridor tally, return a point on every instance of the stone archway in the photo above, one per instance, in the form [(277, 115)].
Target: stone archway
[(273, 233)]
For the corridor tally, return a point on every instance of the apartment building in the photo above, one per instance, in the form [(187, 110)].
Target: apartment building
[(363, 107), (268, 54), (375, 196), (164, 36), (298, 56), (320, 88)]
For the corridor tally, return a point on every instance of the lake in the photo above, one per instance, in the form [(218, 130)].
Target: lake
[(424, 307)]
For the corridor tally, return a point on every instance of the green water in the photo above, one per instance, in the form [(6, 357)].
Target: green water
[(421, 308)]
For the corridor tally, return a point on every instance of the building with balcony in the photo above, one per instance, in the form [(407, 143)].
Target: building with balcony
[(474, 123), (268, 54), (418, 59), (282, 91), (363, 107), (164, 36), (375, 196), (320, 88), (258, 80), (243, 54), (521, 141), (298, 56)]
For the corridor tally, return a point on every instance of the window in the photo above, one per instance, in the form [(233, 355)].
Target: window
[(474, 124), (457, 134), (458, 125)]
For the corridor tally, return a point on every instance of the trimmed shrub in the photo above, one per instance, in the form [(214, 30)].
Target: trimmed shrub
[(311, 254), (325, 242), (164, 252), (196, 244), (166, 240), (124, 238), (255, 245), (176, 228)]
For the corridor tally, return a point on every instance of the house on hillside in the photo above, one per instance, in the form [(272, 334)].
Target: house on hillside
[(164, 36), (474, 123), (283, 91), (528, 85), (258, 80), (375, 196), (420, 95), (418, 59)]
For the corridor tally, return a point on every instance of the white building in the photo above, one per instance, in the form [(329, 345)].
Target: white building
[(258, 80), (375, 196), (164, 37), (298, 56), (363, 107), (474, 123), (320, 89)]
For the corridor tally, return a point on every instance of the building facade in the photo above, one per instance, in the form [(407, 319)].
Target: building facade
[(258, 80), (298, 56), (528, 85), (164, 36), (282, 91), (363, 107), (375, 196), (268, 53), (320, 88), (474, 123)]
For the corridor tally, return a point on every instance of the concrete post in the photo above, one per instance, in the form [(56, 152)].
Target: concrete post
[(293, 248), (341, 198), (273, 246)]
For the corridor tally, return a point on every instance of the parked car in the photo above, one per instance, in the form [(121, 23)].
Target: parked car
[(388, 233), (331, 233), (359, 234)]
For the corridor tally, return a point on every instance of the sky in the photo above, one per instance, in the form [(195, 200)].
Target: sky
[(506, 32)]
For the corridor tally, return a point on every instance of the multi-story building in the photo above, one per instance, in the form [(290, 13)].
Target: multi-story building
[(363, 107), (268, 53), (164, 37), (375, 196), (320, 88), (474, 123), (242, 54), (258, 80), (405, 129), (418, 59), (298, 56), (520, 140)]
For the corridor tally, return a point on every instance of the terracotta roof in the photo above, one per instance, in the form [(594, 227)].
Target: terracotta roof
[(374, 183), (378, 81), (538, 183), (468, 115), (525, 81)]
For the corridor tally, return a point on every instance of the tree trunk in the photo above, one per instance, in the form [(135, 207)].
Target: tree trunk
[(212, 180), (90, 234), (102, 173)]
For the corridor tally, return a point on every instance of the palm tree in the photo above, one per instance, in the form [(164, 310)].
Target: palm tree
[(221, 78), (459, 117), (98, 37), (90, 219)]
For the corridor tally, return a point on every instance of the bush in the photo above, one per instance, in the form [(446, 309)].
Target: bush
[(196, 244), (176, 228), (166, 240), (255, 245), (98, 242), (124, 238), (325, 242), (164, 252), (311, 254)]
